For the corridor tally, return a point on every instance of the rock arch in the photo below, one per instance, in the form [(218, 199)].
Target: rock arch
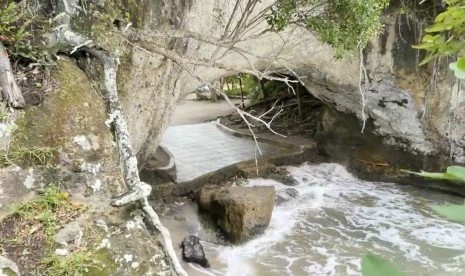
[(394, 99)]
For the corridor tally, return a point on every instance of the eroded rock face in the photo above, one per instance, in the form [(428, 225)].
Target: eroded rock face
[(192, 251), (242, 212)]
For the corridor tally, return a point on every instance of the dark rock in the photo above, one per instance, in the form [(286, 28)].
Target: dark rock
[(192, 251), (292, 192), (281, 175), (286, 195)]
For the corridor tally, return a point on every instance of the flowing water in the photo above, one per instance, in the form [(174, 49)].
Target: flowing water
[(335, 220)]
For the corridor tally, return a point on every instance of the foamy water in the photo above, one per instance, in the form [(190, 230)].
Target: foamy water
[(336, 219)]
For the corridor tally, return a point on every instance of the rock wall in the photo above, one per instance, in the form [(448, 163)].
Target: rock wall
[(405, 111)]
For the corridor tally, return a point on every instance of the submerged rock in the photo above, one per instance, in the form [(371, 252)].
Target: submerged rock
[(242, 212), (192, 251), (286, 195), (281, 175)]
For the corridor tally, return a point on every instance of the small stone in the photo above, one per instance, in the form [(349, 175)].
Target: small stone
[(61, 252), (102, 224), (71, 232), (192, 251), (179, 218), (135, 265)]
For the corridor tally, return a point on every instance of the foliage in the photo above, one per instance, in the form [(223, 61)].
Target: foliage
[(15, 27), (27, 156), (452, 173), (376, 266), (451, 212), (50, 209), (44, 216), (346, 25), (77, 263), (9, 15), (232, 88), (446, 37)]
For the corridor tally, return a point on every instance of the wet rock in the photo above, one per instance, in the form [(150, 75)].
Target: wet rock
[(282, 176), (192, 251), (286, 195), (253, 169), (203, 198), (242, 212)]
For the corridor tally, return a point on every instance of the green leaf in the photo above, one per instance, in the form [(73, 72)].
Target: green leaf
[(458, 171), (440, 17), (376, 266), (428, 38), (424, 46), (461, 63), (444, 176), (427, 59), (439, 27), (452, 212)]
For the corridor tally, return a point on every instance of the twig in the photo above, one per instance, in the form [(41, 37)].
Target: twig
[(79, 46)]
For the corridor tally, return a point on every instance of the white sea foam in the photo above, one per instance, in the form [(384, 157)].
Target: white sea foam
[(336, 219)]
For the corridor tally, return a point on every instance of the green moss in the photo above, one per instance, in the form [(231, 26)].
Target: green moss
[(106, 265), (72, 109)]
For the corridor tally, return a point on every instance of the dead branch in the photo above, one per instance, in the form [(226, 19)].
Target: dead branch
[(10, 91), (153, 48)]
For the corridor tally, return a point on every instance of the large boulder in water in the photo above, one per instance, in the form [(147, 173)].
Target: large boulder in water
[(192, 251), (242, 212)]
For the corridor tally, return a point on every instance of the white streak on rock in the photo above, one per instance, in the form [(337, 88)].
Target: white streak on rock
[(83, 142), (29, 182), (128, 258), (96, 185), (104, 244)]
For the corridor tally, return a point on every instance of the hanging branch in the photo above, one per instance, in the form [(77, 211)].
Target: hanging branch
[(10, 90), (138, 191)]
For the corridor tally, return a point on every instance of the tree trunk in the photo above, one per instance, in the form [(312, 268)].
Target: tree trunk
[(260, 87), (242, 92), (299, 101), (10, 90), (213, 94)]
